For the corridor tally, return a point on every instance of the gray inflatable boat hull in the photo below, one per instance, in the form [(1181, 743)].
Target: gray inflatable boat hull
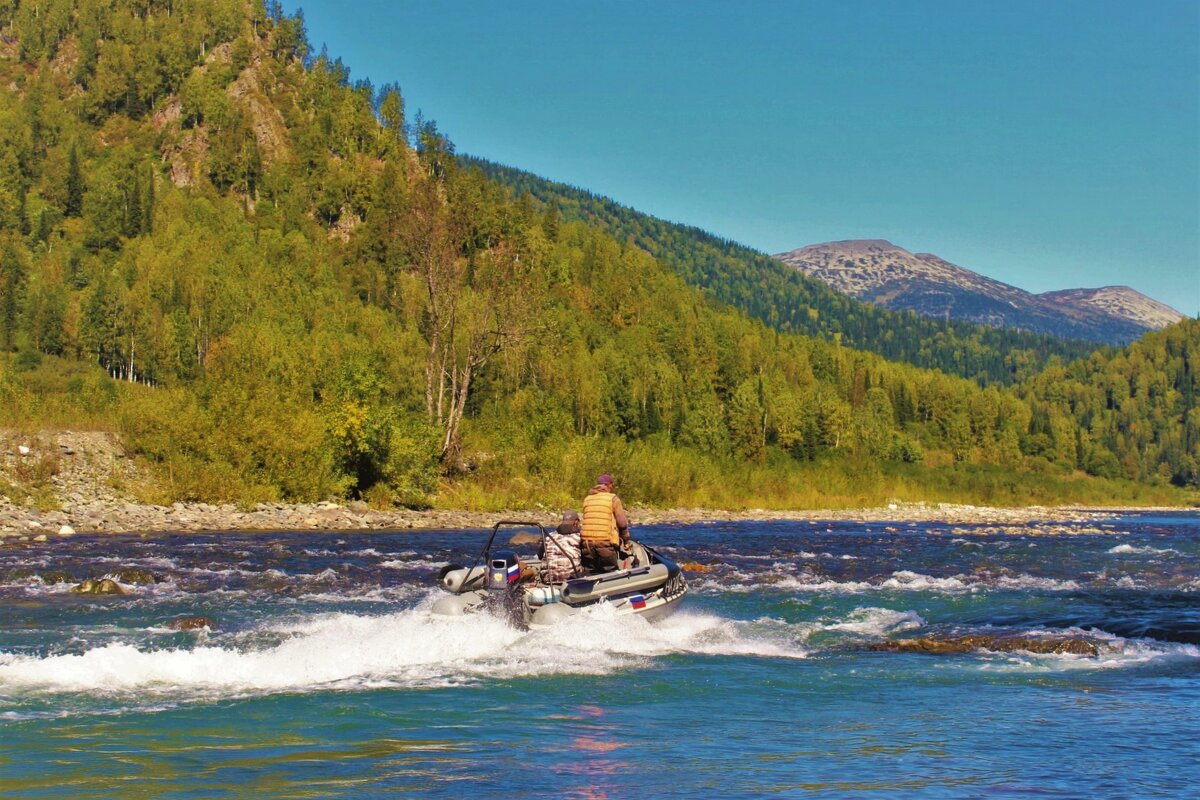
[(651, 592)]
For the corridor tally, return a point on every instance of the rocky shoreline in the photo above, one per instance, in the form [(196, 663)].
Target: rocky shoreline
[(89, 468), (19, 523)]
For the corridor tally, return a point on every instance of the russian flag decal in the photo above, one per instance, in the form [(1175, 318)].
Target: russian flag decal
[(637, 601), (514, 573)]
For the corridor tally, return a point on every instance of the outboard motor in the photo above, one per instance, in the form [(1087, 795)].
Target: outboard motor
[(504, 570), (505, 597)]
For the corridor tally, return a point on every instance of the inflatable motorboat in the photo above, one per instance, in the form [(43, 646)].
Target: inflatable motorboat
[(649, 585)]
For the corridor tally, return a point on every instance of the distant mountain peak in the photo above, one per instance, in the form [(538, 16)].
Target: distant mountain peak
[(1120, 301), (887, 275), (859, 246)]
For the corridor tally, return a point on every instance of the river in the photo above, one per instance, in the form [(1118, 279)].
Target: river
[(327, 677)]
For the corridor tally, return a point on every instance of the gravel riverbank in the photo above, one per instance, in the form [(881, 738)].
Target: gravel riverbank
[(104, 516), (84, 473)]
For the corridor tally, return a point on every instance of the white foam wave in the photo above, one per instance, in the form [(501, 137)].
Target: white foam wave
[(368, 594), (35, 585), (915, 581), (900, 581), (412, 563), (406, 649), (1115, 653), (154, 561), (808, 584), (1128, 549), (225, 573), (721, 557), (1020, 582), (877, 622)]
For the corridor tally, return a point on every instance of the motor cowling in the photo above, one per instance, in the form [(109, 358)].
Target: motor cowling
[(504, 570)]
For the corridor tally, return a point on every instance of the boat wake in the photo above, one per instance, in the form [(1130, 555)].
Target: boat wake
[(406, 649)]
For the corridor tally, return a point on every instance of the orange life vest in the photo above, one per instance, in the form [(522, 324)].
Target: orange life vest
[(599, 522)]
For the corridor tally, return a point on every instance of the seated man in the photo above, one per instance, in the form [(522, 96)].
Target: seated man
[(561, 559), (605, 527)]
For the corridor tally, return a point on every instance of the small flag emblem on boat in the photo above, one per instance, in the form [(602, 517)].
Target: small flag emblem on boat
[(637, 601), (514, 573)]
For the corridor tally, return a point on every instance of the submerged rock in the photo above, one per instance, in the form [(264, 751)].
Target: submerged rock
[(55, 576), (102, 586), (135, 575), (191, 623), (525, 537), (693, 566), (1000, 643)]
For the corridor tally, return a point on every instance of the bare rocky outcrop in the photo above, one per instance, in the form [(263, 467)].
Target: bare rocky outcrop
[(267, 124), (186, 150), (1121, 302), (1049, 644), (77, 466)]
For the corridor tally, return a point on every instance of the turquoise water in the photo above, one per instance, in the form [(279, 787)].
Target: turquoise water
[(327, 677)]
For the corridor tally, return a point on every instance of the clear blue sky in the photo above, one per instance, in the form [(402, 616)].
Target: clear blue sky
[(1047, 144)]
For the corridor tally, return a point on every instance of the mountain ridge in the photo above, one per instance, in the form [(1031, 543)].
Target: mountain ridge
[(892, 277)]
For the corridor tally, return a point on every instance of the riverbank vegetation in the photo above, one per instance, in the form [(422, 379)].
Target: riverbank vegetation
[(275, 285)]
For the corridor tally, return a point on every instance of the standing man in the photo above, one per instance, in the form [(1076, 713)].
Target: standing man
[(605, 527)]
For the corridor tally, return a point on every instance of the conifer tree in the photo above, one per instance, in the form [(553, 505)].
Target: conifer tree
[(75, 185), (391, 115), (147, 225), (12, 280), (131, 223)]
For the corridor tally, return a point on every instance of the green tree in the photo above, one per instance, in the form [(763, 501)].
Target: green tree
[(748, 420), (75, 185), (12, 289), (391, 115)]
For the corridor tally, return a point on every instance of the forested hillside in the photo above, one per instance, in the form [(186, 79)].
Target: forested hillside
[(276, 286), (787, 299), (1134, 411)]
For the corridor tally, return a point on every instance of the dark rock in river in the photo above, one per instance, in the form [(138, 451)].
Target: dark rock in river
[(1001, 643), (135, 575), (18, 575), (272, 581), (191, 623), (102, 586), (525, 537), (50, 576)]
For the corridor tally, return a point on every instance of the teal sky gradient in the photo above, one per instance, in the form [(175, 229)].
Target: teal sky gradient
[(1050, 145)]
